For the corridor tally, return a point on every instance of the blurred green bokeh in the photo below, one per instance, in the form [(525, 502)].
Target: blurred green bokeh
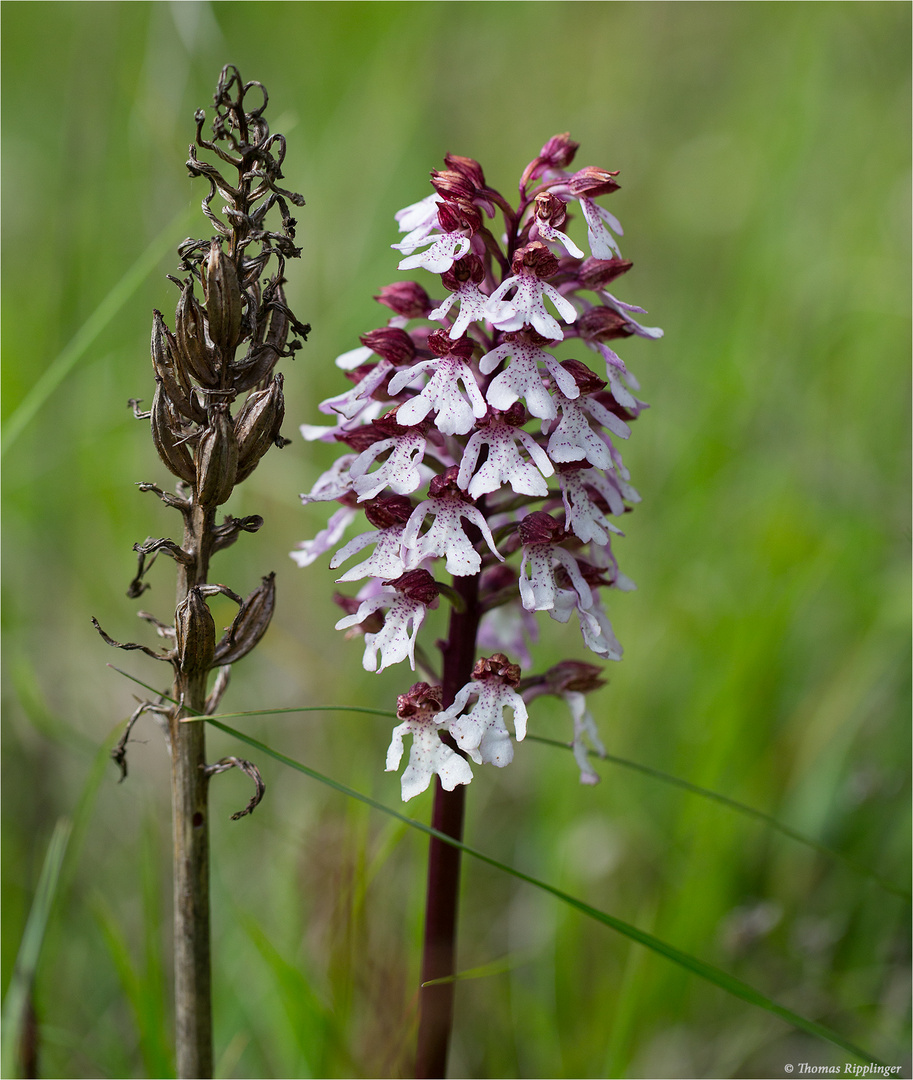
[(764, 157)]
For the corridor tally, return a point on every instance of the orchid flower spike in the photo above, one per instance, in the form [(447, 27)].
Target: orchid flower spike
[(482, 436)]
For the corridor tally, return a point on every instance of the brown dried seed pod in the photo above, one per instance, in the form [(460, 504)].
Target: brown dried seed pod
[(249, 625), (164, 353), (256, 367), (217, 458), (257, 426), (194, 351), (167, 436), (195, 634), (223, 298), (277, 335)]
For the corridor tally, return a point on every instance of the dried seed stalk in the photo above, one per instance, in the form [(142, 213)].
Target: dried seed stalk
[(211, 439)]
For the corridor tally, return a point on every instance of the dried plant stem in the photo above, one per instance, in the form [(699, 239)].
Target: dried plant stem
[(443, 884), (192, 969), (218, 407), (190, 822)]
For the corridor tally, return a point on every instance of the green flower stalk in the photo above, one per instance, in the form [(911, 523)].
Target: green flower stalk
[(217, 409)]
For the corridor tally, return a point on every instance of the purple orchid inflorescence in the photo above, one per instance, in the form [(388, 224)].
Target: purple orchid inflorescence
[(470, 441)]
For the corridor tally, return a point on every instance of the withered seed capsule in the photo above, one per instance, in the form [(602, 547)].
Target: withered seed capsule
[(262, 357), (250, 623), (277, 335), (257, 426), (193, 351), (217, 458), (223, 298), (195, 634), (167, 436), (164, 352)]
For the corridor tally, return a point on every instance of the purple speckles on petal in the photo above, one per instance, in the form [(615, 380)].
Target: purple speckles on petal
[(503, 464), (456, 413)]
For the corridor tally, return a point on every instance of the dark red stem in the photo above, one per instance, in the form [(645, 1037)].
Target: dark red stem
[(443, 888)]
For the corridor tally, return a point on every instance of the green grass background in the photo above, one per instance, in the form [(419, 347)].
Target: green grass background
[(764, 157)]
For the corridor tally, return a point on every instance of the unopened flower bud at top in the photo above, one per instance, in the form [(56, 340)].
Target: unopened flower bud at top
[(405, 298), (223, 298), (416, 585), (467, 167), (453, 185), (195, 634), (592, 182), (390, 343), (557, 153), (597, 273)]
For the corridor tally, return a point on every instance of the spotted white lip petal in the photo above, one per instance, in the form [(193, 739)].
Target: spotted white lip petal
[(384, 562), (456, 413), (429, 755), (394, 641), (600, 225), (483, 728), (442, 254)]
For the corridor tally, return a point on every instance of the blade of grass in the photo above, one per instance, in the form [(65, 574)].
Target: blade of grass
[(141, 991), (723, 980), (275, 712), (486, 971), (17, 994), (313, 1025), (45, 720), (110, 305), (647, 770), (741, 808)]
